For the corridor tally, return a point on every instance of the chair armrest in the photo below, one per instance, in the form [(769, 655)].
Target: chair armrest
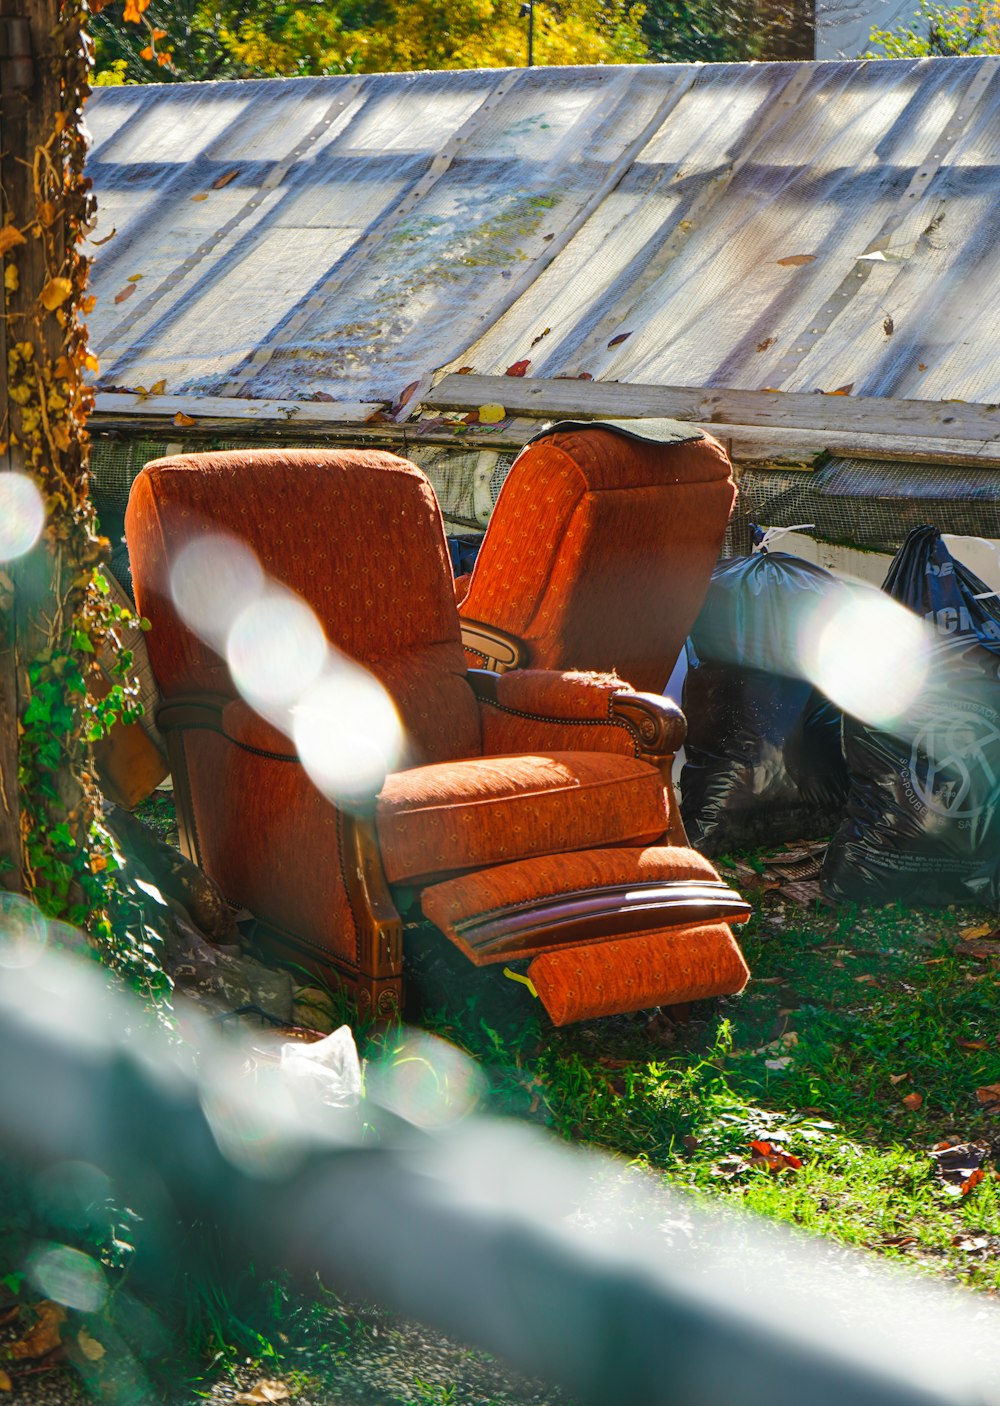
[(574, 712), (497, 650), (658, 723), (202, 710)]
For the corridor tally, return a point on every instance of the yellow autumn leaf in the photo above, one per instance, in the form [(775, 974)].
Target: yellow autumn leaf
[(91, 363), (55, 293), (491, 414), (10, 278), (89, 1346), (9, 236), (46, 212), (202, 196), (158, 387), (133, 278), (181, 419), (5, 1382)]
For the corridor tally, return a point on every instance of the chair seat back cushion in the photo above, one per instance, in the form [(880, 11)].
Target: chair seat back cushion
[(438, 820), (600, 550), (356, 533)]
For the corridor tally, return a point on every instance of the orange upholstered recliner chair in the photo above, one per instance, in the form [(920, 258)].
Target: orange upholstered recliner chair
[(599, 552), (529, 818)]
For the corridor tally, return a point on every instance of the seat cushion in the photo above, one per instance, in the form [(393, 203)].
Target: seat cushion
[(665, 968), (453, 816)]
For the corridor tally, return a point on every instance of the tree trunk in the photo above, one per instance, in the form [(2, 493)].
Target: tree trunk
[(44, 207)]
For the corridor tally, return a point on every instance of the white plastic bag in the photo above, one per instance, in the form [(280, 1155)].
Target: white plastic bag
[(328, 1070)]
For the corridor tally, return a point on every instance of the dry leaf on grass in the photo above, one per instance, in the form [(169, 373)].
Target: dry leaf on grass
[(913, 1102), (897, 1078), (989, 1096), (773, 1157), (45, 1335), (972, 1044), (89, 1346), (976, 930), (263, 1393)]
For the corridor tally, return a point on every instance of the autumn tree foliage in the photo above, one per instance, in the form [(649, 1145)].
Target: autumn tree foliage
[(939, 31), (163, 40)]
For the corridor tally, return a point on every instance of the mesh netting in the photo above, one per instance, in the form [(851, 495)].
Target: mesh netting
[(867, 503)]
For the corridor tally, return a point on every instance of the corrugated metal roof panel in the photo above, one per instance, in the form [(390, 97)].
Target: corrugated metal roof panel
[(343, 237)]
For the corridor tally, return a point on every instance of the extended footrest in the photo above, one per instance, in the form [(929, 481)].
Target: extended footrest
[(608, 930)]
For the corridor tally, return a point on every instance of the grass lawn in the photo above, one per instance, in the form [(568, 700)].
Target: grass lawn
[(857, 1049), (850, 1019)]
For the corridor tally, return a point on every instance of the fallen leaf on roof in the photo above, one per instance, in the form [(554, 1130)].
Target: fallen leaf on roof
[(767, 342), (181, 419), (202, 196), (795, 260), (544, 333), (913, 1102), (519, 368), (921, 365), (126, 292), (133, 278), (842, 390), (407, 393), (221, 181), (617, 341), (466, 371), (491, 414)]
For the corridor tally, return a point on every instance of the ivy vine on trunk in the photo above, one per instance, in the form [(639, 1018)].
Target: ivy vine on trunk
[(55, 599)]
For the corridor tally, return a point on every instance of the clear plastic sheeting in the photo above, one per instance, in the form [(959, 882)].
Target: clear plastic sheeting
[(799, 226)]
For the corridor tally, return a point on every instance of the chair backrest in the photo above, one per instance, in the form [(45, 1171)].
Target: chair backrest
[(600, 550), (358, 534)]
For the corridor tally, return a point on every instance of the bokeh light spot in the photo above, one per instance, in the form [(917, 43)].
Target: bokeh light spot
[(68, 1276), (22, 515), (213, 579), (276, 649), (347, 733), (867, 653)]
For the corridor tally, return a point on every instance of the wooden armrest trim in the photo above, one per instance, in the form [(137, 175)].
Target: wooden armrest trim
[(658, 724), (498, 650)]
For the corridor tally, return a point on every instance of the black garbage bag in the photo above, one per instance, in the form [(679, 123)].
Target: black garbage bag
[(763, 755), (923, 813)]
